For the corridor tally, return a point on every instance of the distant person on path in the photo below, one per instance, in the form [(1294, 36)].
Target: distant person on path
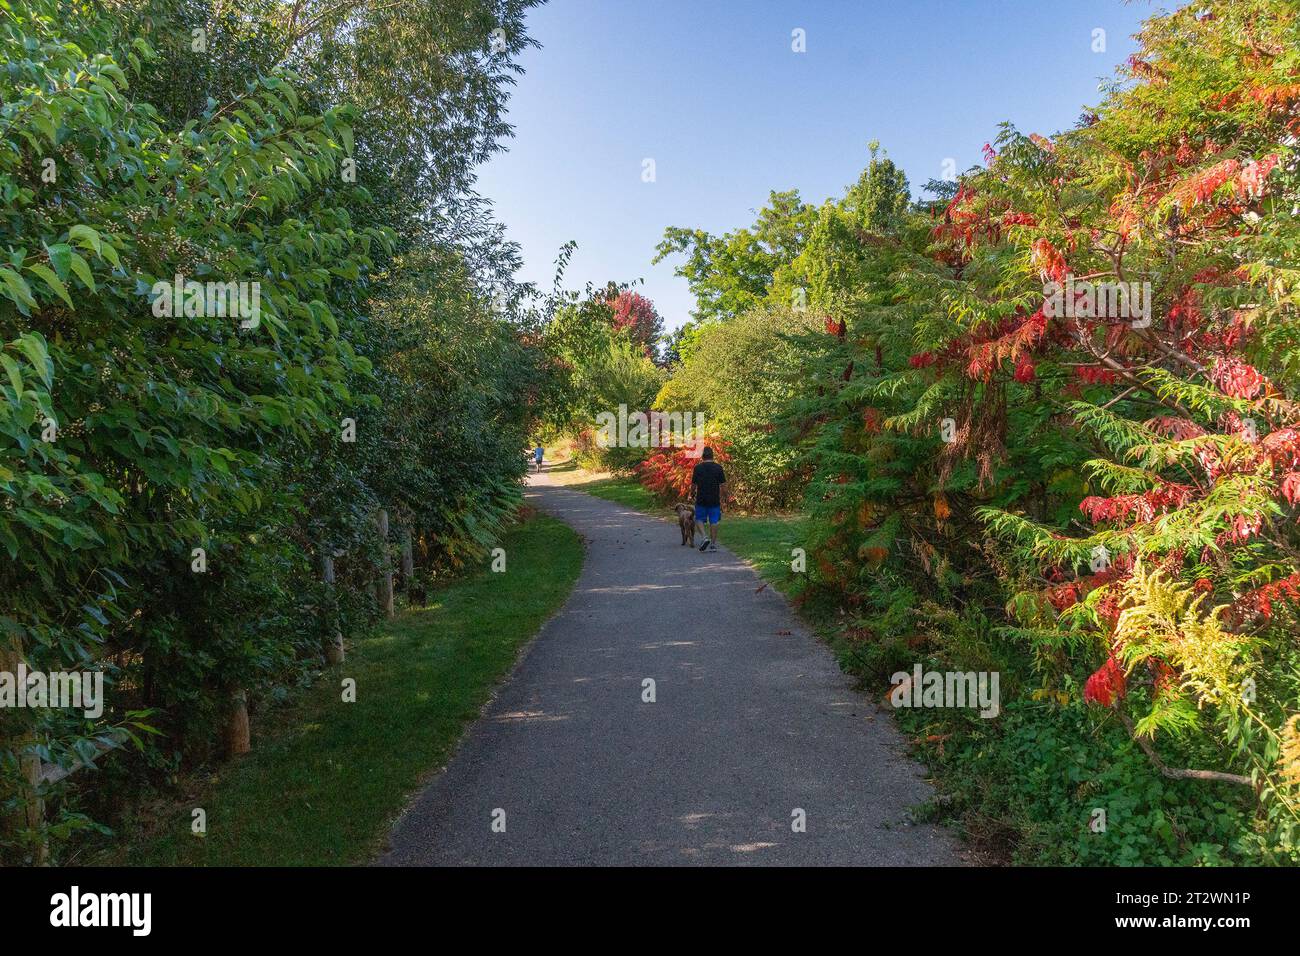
[(706, 487), (538, 452)]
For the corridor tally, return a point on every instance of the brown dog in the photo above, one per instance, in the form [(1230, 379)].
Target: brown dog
[(686, 521)]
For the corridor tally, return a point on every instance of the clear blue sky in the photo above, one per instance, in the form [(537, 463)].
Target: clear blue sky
[(711, 90)]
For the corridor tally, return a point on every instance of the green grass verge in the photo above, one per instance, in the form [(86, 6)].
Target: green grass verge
[(327, 783), (623, 491)]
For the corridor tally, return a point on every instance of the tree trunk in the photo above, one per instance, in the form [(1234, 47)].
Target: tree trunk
[(408, 556), (237, 732), (384, 589), (333, 649)]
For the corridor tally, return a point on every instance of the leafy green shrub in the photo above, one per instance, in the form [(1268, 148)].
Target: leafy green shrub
[(742, 374), (172, 482)]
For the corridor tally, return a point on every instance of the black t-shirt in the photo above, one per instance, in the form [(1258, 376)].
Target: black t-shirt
[(708, 478)]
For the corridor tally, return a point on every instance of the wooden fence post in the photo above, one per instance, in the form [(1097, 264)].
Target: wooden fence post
[(334, 652), (238, 738), (33, 805), (384, 589), (32, 813)]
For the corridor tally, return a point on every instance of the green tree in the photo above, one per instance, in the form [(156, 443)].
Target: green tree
[(743, 373), (733, 273)]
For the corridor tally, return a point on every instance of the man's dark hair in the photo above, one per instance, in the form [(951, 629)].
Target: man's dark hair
[(708, 453)]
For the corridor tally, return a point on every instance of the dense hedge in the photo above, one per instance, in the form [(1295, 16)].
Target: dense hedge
[(172, 482), (1101, 507)]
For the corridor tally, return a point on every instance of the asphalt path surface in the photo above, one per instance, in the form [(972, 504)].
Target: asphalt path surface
[(756, 750)]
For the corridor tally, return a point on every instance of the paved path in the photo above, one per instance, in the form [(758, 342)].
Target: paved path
[(752, 719)]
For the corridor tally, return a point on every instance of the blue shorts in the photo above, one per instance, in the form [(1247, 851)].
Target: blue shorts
[(708, 514)]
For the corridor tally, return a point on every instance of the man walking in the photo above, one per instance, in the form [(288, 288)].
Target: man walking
[(538, 452), (706, 487)]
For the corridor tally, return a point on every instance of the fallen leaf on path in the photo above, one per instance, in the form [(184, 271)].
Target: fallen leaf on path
[(756, 590)]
